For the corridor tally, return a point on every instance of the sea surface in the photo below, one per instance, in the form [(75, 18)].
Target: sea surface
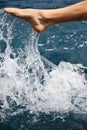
[(43, 77)]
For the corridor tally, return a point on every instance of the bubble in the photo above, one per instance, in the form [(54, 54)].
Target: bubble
[(29, 82)]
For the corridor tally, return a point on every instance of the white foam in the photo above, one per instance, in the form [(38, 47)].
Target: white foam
[(25, 81)]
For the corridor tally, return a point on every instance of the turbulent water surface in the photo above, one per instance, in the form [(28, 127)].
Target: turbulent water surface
[(43, 77)]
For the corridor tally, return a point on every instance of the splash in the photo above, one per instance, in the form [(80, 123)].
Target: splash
[(27, 85)]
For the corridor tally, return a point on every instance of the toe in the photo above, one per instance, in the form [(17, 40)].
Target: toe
[(9, 10), (13, 11)]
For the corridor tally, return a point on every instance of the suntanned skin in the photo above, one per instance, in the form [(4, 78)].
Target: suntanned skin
[(42, 19)]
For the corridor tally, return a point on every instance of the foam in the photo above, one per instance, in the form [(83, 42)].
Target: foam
[(25, 82)]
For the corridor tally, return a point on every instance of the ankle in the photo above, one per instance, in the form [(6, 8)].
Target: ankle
[(48, 16)]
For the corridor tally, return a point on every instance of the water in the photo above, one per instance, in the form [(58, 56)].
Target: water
[(43, 78)]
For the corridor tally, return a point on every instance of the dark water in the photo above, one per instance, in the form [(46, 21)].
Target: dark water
[(62, 42)]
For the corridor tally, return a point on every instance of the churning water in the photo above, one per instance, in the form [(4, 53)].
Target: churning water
[(28, 86)]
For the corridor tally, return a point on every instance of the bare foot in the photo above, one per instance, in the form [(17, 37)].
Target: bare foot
[(34, 16)]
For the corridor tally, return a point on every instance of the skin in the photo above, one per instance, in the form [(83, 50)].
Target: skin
[(42, 19)]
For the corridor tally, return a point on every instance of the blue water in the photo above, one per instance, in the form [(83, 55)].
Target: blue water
[(65, 43)]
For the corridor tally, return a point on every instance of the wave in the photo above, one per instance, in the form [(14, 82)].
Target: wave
[(29, 82)]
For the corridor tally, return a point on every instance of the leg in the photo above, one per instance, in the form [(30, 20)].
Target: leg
[(42, 19)]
